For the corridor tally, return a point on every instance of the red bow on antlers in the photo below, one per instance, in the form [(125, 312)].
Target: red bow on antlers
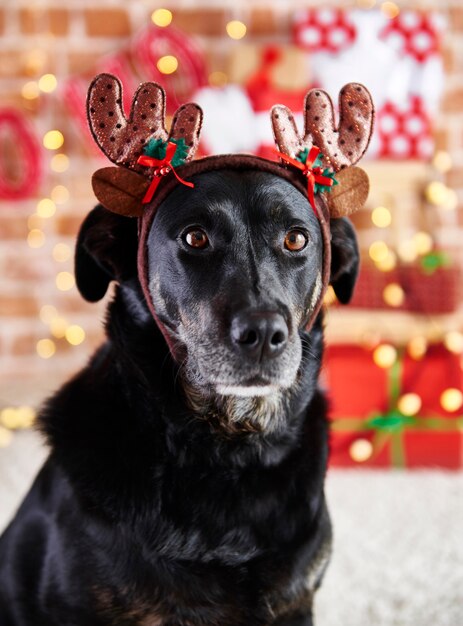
[(314, 174), (162, 167)]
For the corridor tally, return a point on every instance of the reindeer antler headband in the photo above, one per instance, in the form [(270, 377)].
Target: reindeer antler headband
[(137, 143), (339, 147), (151, 162)]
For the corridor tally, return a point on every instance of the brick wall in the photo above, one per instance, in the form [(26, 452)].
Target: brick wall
[(47, 36)]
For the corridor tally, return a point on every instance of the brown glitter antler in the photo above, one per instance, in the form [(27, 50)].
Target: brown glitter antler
[(122, 139), (342, 146)]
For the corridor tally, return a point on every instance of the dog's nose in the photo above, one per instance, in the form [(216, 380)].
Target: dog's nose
[(259, 334)]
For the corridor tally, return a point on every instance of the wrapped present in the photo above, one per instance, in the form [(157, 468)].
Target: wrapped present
[(391, 410), (430, 285)]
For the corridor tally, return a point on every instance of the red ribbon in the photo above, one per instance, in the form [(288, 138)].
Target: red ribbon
[(162, 168), (314, 174)]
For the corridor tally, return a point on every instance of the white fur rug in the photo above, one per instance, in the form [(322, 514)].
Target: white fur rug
[(398, 553)]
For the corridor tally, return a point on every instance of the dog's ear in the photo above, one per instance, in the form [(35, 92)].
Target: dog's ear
[(106, 250), (344, 258)]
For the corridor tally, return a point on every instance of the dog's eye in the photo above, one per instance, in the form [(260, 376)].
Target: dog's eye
[(197, 238), (295, 240)]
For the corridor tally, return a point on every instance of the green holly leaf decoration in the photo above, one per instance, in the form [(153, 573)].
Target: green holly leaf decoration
[(303, 154), (434, 260), (323, 188), (302, 157), (156, 148), (392, 421)]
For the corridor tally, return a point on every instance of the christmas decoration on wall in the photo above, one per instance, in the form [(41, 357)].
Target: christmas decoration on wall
[(406, 74), (240, 112), (323, 30), (264, 88), (415, 33), (12, 419), (406, 77), (405, 131), (20, 156), (168, 56), (161, 54)]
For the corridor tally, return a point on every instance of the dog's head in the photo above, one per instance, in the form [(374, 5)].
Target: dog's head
[(232, 254)]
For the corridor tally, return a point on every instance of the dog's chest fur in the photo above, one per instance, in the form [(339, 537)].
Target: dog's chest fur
[(291, 595), (205, 538)]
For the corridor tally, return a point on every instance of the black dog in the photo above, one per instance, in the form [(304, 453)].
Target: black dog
[(188, 491)]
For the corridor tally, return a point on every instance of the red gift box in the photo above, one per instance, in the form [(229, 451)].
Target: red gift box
[(370, 428)]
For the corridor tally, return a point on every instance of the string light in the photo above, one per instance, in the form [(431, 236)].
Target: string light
[(236, 29), (10, 418), (385, 355), (60, 194), (378, 251), (167, 64), (35, 238), (75, 335), (53, 139), (388, 263), (390, 10), (30, 90), (407, 251), (417, 347), (423, 242), (48, 83), (409, 404), (46, 208), (453, 341), (47, 313), (61, 253), (60, 163), (65, 281), (393, 295), (19, 417), (451, 200), (45, 348), (442, 161), (436, 192), (161, 17), (381, 217), (26, 416), (360, 450), (58, 327), (451, 399)]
